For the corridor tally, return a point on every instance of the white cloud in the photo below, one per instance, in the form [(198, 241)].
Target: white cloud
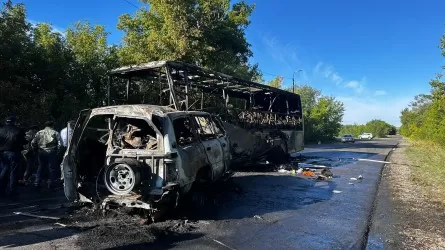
[(361, 110), (283, 53), (353, 84), (317, 68), (380, 93), (286, 56), (357, 86), (327, 72), (337, 79)]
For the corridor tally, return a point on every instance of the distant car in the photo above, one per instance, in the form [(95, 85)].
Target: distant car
[(347, 138), (367, 136)]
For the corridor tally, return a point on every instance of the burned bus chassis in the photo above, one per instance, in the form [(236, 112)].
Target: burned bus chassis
[(271, 117)]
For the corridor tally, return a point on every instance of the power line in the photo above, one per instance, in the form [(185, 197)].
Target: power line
[(130, 3)]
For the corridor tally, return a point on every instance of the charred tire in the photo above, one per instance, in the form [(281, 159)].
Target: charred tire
[(121, 178)]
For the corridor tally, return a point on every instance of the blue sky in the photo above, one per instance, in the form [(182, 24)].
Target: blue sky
[(374, 56)]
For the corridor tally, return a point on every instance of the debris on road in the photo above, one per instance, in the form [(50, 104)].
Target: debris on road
[(283, 171), (258, 217), (37, 216), (327, 172), (308, 173), (307, 170)]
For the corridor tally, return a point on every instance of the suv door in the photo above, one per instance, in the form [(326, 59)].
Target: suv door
[(69, 163), (191, 153), (224, 140), (206, 128)]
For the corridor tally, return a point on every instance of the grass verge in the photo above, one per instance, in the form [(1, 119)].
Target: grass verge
[(429, 171)]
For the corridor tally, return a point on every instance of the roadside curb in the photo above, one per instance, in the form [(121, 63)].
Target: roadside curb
[(365, 238)]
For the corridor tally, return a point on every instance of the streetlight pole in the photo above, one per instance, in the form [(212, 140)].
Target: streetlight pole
[(293, 79)]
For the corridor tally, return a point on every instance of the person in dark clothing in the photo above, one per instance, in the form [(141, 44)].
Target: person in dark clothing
[(30, 154), (12, 140)]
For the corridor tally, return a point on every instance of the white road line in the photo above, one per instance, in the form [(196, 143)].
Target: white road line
[(386, 162), (37, 216), (222, 244)]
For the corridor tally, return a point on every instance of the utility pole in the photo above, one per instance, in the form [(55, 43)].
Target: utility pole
[(293, 80)]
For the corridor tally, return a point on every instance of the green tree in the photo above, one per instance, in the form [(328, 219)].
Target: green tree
[(354, 129), (57, 75), (18, 61), (309, 97), (325, 118), (93, 57), (412, 118), (276, 82), (322, 114), (425, 117), (52, 65), (378, 128), (209, 33)]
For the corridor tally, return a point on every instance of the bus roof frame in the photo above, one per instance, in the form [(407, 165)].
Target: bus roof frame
[(139, 69)]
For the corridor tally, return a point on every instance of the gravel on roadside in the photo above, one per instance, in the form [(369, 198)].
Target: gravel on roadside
[(405, 216)]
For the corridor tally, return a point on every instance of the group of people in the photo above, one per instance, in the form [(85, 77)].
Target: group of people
[(31, 157)]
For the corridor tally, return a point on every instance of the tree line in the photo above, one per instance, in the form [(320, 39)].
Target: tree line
[(378, 128), (47, 75), (424, 118), (323, 116)]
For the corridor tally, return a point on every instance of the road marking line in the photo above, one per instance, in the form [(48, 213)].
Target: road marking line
[(386, 162), (37, 216), (222, 244)]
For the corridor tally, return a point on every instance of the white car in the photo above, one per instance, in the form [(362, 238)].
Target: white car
[(368, 136)]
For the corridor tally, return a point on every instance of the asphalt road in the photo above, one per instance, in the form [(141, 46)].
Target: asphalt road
[(253, 210)]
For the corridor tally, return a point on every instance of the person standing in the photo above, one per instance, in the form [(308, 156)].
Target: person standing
[(65, 134), (48, 143), (30, 154), (12, 140)]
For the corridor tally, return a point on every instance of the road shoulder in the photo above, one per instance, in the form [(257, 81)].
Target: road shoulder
[(405, 217)]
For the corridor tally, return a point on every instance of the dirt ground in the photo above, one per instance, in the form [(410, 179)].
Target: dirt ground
[(406, 216)]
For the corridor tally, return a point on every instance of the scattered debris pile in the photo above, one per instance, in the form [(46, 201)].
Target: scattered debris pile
[(318, 172)]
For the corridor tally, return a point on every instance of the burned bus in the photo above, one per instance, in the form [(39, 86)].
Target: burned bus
[(262, 122)]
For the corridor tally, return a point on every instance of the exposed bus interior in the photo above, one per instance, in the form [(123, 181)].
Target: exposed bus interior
[(187, 87)]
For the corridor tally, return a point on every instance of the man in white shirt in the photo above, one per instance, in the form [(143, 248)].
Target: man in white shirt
[(66, 133)]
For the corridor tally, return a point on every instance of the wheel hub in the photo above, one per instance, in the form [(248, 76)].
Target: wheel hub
[(121, 178)]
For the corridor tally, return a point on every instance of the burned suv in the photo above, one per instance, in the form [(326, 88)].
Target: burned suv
[(142, 156)]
